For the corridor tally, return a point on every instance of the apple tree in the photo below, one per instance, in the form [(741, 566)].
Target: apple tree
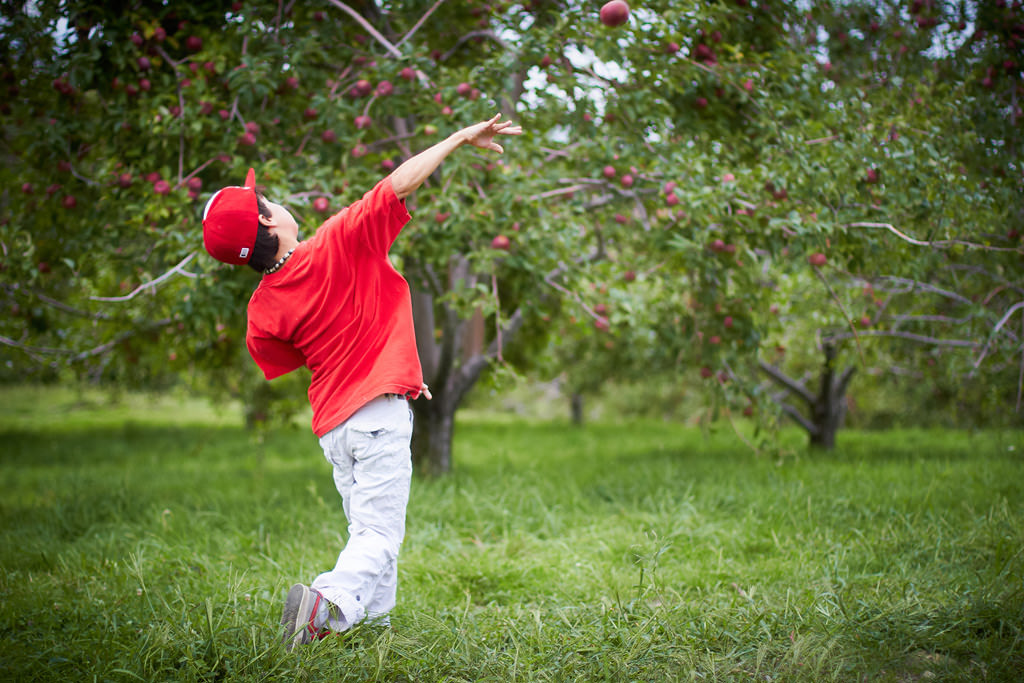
[(735, 139), (874, 165)]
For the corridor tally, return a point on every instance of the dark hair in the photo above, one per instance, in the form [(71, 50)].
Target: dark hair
[(264, 251)]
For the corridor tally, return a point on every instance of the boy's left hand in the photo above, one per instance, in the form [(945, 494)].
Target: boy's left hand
[(425, 391), (482, 134)]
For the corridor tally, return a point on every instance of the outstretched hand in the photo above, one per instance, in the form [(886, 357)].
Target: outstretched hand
[(482, 134)]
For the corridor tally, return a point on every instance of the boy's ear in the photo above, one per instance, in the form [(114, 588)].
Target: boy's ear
[(268, 221)]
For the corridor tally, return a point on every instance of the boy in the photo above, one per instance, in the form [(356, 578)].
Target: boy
[(335, 304)]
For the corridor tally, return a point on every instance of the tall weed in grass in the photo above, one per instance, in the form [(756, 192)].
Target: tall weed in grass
[(159, 545)]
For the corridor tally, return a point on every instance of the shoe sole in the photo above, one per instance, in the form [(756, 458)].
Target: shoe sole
[(298, 606)]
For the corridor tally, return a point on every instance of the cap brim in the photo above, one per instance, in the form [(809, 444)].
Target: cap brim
[(250, 178)]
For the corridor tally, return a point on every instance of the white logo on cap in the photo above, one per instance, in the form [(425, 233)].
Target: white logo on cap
[(244, 252)]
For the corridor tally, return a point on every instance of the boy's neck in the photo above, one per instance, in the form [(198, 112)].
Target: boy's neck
[(284, 245)]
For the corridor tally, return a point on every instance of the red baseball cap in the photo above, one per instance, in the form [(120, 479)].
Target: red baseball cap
[(230, 222)]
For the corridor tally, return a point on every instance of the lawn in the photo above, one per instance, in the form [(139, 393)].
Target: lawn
[(155, 540)]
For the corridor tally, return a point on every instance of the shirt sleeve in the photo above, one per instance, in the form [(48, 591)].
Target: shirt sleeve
[(378, 217), (275, 357)]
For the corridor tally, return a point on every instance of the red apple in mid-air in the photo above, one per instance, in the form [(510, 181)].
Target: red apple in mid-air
[(817, 259), (321, 204), (614, 13)]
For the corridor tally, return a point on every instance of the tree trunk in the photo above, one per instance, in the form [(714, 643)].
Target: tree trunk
[(452, 363), (452, 355), (433, 429), (826, 410), (576, 408)]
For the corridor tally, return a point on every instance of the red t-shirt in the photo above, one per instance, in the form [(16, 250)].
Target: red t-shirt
[(341, 308)]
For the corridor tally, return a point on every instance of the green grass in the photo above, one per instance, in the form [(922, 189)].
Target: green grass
[(155, 540)]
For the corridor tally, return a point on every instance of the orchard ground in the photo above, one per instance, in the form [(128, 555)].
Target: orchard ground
[(152, 539)]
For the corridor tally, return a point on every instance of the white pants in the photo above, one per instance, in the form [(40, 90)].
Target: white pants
[(372, 470)]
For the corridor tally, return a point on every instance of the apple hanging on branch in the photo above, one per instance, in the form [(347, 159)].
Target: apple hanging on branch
[(615, 13)]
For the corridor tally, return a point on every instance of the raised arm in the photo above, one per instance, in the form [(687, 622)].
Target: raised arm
[(411, 174)]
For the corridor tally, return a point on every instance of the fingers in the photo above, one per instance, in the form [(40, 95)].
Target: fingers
[(425, 390), (504, 127)]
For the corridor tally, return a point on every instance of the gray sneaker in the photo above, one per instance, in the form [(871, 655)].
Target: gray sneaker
[(300, 608)]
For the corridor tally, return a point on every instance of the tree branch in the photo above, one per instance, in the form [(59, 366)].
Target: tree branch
[(995, 330), (473, 34), (69, 309), (924, 286), (79, 356), (178, 269), (368, 27), (959, 343), (844, 380), (798, 417), (786, 381), (419, 23), (939, 244)]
